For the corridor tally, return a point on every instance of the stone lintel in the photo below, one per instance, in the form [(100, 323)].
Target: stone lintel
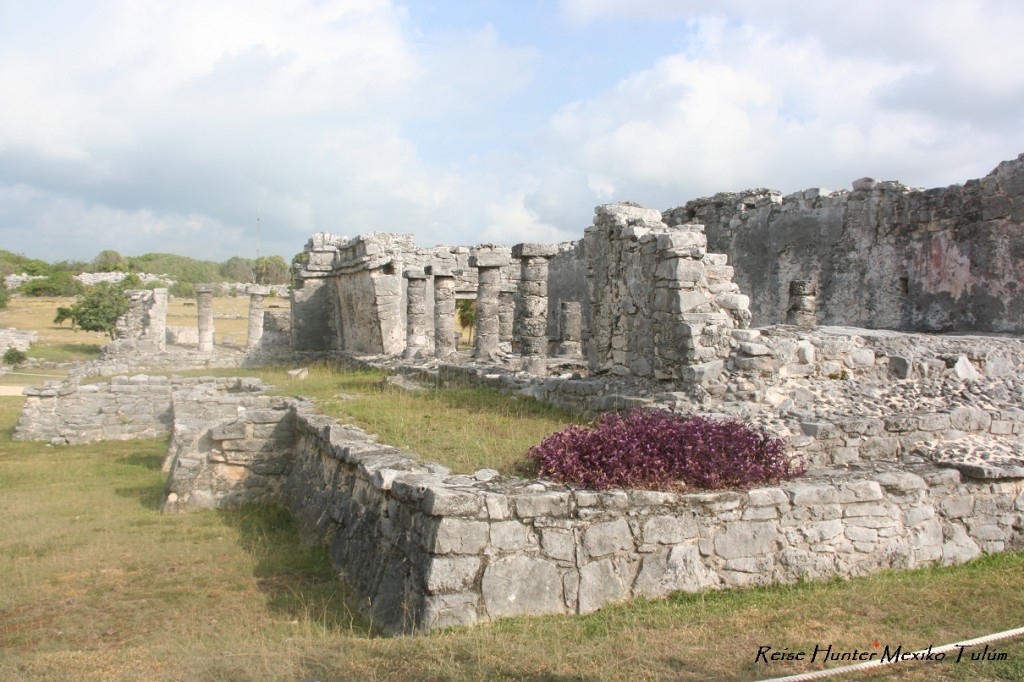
[(257, 290), (440, 271), (204, 288), (534, 251), (414, 273), (487, 259)]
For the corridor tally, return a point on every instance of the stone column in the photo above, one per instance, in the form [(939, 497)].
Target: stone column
[(488, 263), (506, 317), (256, 295), (529, 335), (416, 340), (204, 304), (444, 310), (803, 302), (571, 325)]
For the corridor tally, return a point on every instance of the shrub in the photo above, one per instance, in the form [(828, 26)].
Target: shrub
[(97, 310), (663, 450), (14, 357), (5, 296), (60, 283)]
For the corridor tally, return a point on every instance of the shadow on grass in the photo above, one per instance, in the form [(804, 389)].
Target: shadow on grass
[(148, 496), (299, 582)]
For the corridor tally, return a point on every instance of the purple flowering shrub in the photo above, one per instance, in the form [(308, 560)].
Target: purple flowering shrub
[(662, 450)]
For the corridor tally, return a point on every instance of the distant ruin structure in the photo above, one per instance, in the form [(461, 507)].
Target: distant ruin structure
[(884, 256)]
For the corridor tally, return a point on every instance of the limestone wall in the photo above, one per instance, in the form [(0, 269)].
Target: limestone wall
[(428, 549), (16, 338), (883, 255), (122, 408), (145, 323), (661, 305)]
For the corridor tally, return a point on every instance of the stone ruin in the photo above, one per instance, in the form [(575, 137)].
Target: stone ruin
[(915, 441)]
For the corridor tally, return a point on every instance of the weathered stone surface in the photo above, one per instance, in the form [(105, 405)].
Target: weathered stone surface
[(671, 569), (522, 585)]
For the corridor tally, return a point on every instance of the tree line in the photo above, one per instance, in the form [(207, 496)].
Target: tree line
[(58, 279)]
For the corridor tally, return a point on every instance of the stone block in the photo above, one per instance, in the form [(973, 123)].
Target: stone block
[(745, 539), (608, 537), (449, 610), (458, 536), (558, 544), (534, 250), (549, 504), (452, 573), (489, 260), (900, 367), (604, 581), (669, 530), (672, 569), (522, 585), (510, 536), (808, 495)]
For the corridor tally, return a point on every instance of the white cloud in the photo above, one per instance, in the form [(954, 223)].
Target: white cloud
[(746, 104)]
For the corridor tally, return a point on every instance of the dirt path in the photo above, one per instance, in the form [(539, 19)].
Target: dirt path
[(10, 390)]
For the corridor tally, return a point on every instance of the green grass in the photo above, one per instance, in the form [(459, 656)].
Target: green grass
[(96, 584), (463, 428), (65, 352)]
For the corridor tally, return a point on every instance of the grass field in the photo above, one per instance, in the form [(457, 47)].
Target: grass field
[(96, 584)]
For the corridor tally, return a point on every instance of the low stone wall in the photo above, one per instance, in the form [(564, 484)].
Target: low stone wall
[(123, 408), (17, 339), (426, 549)]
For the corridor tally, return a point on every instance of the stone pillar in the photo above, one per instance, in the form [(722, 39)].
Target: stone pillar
[(416, 331), (488, 263), (506, 317), (571, 325), (444, 310), (803, 302), (204, 304), (529, 335), (256, 295)]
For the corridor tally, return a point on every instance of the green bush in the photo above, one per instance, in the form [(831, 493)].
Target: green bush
[(5, 296), (58, 284), (14, 357)]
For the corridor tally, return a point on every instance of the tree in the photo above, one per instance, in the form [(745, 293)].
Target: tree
[(109, 260), (271, 270), (238, 269), (97, 310), (465, 310)]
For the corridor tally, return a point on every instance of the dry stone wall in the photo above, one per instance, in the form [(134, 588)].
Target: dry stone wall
[(883, 255), (427, 549), (661, 306), (17, 339), (123, 408)]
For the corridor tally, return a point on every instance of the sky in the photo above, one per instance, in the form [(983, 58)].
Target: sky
[(219, 128)]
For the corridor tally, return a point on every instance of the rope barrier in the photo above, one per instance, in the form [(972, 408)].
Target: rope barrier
[(867, 665)]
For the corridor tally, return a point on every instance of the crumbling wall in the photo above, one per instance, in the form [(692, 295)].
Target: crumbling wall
[(122, 408), (17, 339), (227, 451), (661, 305), (143, 328), (883, 255), (567, 283)]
